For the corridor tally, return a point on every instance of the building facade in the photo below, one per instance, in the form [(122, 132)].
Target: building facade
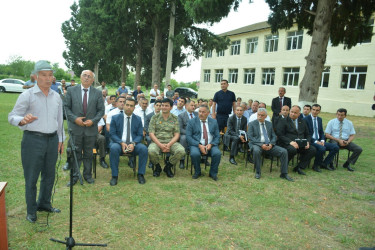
[(258, 62)]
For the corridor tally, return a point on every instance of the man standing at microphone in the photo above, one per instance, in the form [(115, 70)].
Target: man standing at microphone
[(38, 112)]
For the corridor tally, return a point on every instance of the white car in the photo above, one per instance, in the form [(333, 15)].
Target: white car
[(11, 85)]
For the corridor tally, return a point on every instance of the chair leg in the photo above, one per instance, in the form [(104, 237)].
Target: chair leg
[(94, 164), (271, 164), (135, 166)]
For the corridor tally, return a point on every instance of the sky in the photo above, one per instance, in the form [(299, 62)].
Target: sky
[(32, 30)]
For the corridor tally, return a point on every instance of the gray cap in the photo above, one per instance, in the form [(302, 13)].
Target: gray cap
[(42, 66)]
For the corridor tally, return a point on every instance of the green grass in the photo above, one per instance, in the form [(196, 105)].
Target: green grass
[(321, 210)]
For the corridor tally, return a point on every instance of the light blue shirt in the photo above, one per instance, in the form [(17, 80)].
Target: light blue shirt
[(55, 87), (177, 111), (333, 128), (30, 83)]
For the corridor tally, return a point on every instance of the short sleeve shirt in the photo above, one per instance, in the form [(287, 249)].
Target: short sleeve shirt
[(333, 128), (224, 101), (122, 90), (164, 130)]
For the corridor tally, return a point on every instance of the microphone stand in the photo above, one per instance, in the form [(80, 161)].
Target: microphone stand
[(69, 241)]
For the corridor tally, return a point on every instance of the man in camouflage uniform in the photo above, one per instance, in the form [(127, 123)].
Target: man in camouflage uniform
[(164, 131)]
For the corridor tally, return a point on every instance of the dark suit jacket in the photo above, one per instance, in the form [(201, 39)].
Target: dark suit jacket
[(183, 119), (194, 131), (117, 128), (232, 125), (74, 108), (276, 104), (310, 125), (253, 133), (147, 121), (287, 132)]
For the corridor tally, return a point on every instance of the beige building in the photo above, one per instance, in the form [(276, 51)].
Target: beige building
[(257, 63)]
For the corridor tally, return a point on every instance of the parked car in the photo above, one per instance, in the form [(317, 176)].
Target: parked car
[(11, 85), (187, 92)]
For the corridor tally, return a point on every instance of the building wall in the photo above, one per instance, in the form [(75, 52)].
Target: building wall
[(357, 101)]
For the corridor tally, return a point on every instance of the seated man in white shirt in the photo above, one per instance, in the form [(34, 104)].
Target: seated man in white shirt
[(180, 108), (120, 102), (254, 116), (143, 110)]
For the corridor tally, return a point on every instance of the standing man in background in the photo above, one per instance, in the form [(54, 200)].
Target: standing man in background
[(225, 100), (84, 107), (154, 93), (38, 112), (30, 83), (279, 102)]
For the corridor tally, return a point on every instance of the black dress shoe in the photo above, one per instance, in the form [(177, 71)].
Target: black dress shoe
[(157, 170), (213, 177), (317, 169), (250, 159), (326, 167), (286, 177), (299, 171), (196, 175), (332, 167), (66, 166), (233, 161), (103, 163), (31, 218), (141, 179), (113, 181), (90, 180), (347, 166), (49, 210), (257, 176), (182, 164), (74, 182)]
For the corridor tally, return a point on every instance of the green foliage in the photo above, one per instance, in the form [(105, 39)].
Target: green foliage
[(350, 19)]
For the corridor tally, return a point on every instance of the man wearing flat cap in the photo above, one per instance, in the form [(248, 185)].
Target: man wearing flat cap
[(38, 112)]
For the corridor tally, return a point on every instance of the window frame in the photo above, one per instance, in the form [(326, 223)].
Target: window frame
[(292, 74), (268, 78)]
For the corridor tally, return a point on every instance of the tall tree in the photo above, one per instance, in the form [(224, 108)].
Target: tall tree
[(343, 21)]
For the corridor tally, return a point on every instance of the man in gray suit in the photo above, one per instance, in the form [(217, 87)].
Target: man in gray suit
[(84, 107), (262, 138), (183, 120)]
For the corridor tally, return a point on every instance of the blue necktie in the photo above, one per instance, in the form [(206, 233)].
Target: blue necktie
[(266, 139), (316, 129)]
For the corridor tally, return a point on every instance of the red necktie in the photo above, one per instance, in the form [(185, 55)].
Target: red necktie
[(191, 116), (281, 103), (205, 137), (85, 102)]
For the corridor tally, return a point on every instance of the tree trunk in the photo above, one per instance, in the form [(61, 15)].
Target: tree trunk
[(124, 72), (138, 64), (156, 64), (170, 45), (96, 72), (309, 87)]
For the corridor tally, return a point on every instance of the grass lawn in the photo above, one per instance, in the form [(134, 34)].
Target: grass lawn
[(321, 210)]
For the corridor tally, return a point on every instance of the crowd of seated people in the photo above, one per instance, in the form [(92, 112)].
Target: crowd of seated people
[(168, 129)]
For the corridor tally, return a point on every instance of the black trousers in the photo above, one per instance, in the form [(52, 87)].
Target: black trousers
[(222, 120), (39, 156), (84, 146)]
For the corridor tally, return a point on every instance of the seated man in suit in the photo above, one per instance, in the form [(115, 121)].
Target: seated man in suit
[(318, 141), (126, 133), (263, 138), (164, 132), (101, 143), (290, 129), (232, 137), (203, 135), (341, 132), (283, 114), (183, 120)]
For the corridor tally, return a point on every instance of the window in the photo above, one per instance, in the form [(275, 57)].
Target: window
[(291, 76), (271, 43), (251, 45), (325, 77), (220, 53), (218, 75), (208, 54), (371, 23), (353, 77), (233, 76), (249, 76), (268, 76), (207, 75), (235, 48), (294, 40)]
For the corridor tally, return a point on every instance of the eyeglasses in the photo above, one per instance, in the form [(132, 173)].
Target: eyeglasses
[(88, 76)]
